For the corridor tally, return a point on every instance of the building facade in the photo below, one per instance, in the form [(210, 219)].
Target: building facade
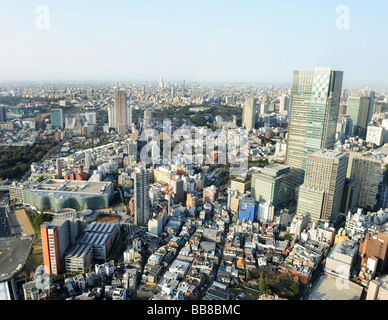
[(315, 99)]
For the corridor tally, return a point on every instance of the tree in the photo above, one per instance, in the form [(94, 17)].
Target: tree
[(263, 285), (295, 288)]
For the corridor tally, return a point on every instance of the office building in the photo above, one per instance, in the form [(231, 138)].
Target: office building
[(272, 184), (375, 135), (57, 237), (157, 223), (249, 113), (351, 195), (315, 98), (375, 245), (3, 114), (241, 186), (178, 190), (247, 210), (378, 289), (141, 195), (120, 109), (365, 169), (111, 117), (321, 194), (56, 118), (284, 104), (341, 259), (210, 194), (147, 120), (358, 110), (59, 168), (265, 212)]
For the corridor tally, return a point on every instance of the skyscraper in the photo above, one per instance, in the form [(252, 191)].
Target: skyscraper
[(141, 203), (147, 121), (249, 113), (315, 98), (57, 236), (358, 110), (111, 117), (284, 103), (272, 184), (3, 114), (320, 196), (120, 108), (56, 118), (366, 169), (59, 168)]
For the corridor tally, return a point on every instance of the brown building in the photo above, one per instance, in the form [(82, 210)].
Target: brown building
[(77, 176), (191, 200), (375, 245), (210, 194)]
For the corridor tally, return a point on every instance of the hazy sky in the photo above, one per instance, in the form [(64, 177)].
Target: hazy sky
[(212, 40)]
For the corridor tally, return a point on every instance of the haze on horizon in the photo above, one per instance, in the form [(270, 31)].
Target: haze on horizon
[(200, 41)]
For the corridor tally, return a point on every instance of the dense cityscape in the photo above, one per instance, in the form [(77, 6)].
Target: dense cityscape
[(91, 210), (193, 159)]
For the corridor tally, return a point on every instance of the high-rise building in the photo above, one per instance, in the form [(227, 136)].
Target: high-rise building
[(351, 195), (375, 135), (3, 114), (91, 117), (141, 196), (120, 108), (88, 160), (177, 189), (314, 104), (210, 194), (111, 117), (129, 117), (147, 119), (372, 108), (358, 110), (59, 168), (247, 209), (56, 118), (272, 184), (57, 236), (284, 103), (365, 169), (375, 245), (249, 113), (321, 194)]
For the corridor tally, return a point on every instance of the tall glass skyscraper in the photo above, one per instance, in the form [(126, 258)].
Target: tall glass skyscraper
[(56, 118), (358, 110), (249, 113), (315, 98)]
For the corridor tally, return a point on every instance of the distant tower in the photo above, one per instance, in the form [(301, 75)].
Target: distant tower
[(56, 118), (120, 108), (314, 105), (284, 103), (147, 118), (59, 168), (88, 160), (141, 195), (249, 113), (3, 114), (111, 117)]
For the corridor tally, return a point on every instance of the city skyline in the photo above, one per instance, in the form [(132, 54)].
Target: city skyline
[(252, 42)]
